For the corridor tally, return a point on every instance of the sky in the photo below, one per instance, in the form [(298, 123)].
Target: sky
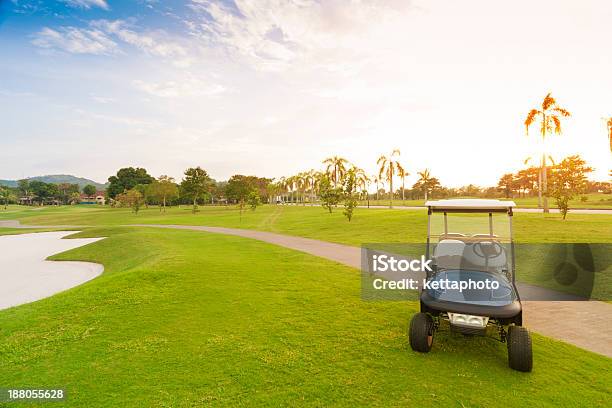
[(273, 87)]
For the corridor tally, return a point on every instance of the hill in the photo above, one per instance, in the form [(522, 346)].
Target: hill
[(58, 179)]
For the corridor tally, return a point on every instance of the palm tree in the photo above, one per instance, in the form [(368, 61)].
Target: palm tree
[(424, 181), (309, 182), (376, 180), (282, 184), (336, 168), (289, 184), (388, 167), (361, 179), (301, 183), (552, 162), (402, 173), (549, 116)]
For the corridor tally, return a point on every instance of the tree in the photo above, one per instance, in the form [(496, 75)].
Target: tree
[(43, 191), (549, 116), (66, 191), (426, 183), (507, 184), (568, 179), (362, 182), (312, 183), (163, 189), (126, 179), (195, 185), (330, 195), (145, 191), (89, 190), (289, 184), (6, 195), (387, 169), (376, 179), (403, 174), (349, 196), (132, 198), (336, 167), (527, 179), (239, 188), (24, 186), (253, 200), (74, 198)]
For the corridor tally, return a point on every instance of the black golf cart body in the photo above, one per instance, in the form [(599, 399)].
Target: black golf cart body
[(448, 241), (470, 241)]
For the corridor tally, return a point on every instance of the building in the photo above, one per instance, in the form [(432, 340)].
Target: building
[(98, 198)]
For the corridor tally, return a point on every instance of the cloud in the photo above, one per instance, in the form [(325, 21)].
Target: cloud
[(180, 88), (103, 99), (75, 40), (87, 4), (104, 37), (151, 42), (282, 34)]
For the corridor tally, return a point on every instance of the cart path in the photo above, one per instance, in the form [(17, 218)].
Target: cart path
[(586, 324)]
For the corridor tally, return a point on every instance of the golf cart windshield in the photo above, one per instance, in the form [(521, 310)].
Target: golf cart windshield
[(471, 235), (491, 289)]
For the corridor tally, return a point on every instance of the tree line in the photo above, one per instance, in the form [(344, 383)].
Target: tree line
[(134, 187), (35, 192)]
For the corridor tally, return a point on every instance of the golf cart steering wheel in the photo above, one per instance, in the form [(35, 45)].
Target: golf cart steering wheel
[(495, 249)]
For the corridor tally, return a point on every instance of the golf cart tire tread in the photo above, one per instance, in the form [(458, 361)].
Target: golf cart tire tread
[(421, 327), (520, 356)]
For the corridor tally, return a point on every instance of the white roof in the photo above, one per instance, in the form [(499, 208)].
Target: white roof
[(469, 203)]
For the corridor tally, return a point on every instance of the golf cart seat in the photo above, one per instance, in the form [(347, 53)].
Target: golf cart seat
[(449, 253), (449, 247)]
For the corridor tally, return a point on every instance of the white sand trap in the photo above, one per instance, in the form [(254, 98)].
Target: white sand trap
[(25, 275)]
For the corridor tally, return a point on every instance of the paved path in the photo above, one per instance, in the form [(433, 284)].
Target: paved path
[(17, 224), (586, 324)]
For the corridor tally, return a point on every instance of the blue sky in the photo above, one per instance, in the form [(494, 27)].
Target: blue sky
[(272, 87)]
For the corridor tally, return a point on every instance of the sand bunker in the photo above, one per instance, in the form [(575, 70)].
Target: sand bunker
[(25, 275)]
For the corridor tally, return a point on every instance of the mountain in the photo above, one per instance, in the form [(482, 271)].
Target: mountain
[(57, 179), (8, 183)]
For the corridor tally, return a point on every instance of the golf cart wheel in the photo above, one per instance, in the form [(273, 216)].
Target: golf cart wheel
[(421, 332), (520, 357)]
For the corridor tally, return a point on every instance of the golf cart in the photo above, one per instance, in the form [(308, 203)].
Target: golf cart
[(471, 284)]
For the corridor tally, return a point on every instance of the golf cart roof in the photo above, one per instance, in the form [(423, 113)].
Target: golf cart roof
[(470, 205)]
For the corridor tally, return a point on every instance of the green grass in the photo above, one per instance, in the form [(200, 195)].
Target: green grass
[(368, 226), (183, 318), (374, 225), (593, 200)]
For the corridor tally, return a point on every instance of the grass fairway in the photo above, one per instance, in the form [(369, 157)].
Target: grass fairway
[(593, 200), (374, 225), (182, 318)]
